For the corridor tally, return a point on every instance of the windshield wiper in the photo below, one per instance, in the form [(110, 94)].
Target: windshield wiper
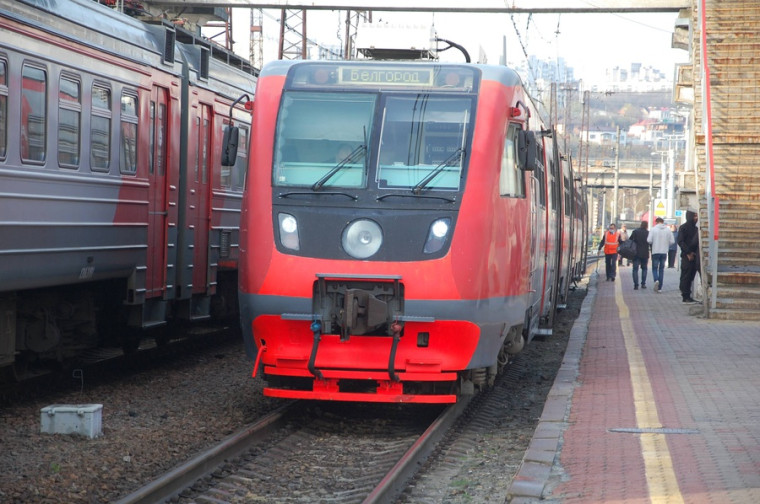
[(304, 193), (353, 156), (457, 154), (416, 196)]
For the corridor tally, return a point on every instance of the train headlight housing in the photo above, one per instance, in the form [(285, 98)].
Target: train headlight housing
[(362, 238), (437, 235), (288, 231)]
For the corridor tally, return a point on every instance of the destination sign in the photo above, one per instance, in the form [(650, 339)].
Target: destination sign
[(386, 76), (378, 76)]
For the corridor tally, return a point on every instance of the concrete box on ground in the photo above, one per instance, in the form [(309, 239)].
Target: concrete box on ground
[(83, 419)]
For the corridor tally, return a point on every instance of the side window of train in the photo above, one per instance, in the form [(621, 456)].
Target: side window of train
[(69, 117), (225, 176), (128, 140), (233, 177), (33, 113), (3, 108), (511, 177), (553, 181), (540, 174), (239, 170), (204, 144), (100, 129)]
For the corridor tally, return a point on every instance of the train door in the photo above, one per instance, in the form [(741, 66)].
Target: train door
[(157, 209), (536, 264), (203, 215), (555, 224)]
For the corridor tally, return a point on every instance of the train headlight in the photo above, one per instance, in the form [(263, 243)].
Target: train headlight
[(362, 238), (437, 235), (288, 231)]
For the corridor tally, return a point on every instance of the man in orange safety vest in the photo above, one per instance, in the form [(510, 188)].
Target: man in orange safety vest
[(610, 242)]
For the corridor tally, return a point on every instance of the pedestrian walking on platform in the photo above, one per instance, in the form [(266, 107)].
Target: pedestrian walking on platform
[(660, 238), (688, 242), (610, 242), (673, 248), (639, 237), (623, 237)]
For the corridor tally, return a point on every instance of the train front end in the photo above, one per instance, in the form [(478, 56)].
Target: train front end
[(365, 269)]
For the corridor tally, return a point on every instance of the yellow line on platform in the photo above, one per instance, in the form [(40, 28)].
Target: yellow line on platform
[(661, 478)]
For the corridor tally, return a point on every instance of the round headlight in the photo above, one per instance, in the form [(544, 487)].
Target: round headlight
[(362, 238), (289, 224), (289, 231), (440, 228)]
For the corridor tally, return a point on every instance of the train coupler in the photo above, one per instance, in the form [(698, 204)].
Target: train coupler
[(396, 328), (316, 328)]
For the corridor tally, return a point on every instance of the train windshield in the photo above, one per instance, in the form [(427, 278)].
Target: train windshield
[(422, 142), (322, 139), (395, 139)]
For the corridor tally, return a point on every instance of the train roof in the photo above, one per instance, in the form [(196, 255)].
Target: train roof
[(98, 26), (502, 74), (225, 79), (90, 23)]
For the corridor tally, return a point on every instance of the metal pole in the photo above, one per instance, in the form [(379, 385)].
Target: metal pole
[(651, 194), (671, 182), (615, 213)]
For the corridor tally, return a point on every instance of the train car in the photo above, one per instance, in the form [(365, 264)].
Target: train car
[(580, 217), (400, 230), (571, 266), (115, 213)]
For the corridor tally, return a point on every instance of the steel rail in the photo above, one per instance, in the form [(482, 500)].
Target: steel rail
[(391, 486), (185, 475)]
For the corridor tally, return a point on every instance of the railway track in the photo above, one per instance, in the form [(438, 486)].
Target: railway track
[(348, 453), (98, 364)]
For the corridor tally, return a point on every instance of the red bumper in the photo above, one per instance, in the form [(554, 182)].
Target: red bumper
[(428, 353)]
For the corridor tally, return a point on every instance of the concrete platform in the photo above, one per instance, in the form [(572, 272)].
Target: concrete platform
[(653, 404)]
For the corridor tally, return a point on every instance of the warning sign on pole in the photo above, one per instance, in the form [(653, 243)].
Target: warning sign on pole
[(659, 207)]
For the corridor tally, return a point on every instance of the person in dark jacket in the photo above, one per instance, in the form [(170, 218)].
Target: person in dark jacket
[(673, 248), (623, 237), (688, 242), (639, 237)]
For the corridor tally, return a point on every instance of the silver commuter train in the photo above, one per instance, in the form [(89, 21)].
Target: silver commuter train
[(115, 213)]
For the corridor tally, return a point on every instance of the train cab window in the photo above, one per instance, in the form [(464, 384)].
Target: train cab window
[(69, 115), (3, 108), (100, 129), (330, 151), (128, 141), (422, 143), (33, 114), (511, 177)]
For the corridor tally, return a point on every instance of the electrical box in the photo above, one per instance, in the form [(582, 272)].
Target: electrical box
[(82, 419)]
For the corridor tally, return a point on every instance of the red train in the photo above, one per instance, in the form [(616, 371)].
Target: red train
[(406, 227), (115, 213)]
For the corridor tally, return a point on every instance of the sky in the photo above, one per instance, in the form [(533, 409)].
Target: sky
[(589, 43)]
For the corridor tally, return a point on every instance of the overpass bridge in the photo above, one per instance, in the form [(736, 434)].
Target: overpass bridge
[(632, 174)]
